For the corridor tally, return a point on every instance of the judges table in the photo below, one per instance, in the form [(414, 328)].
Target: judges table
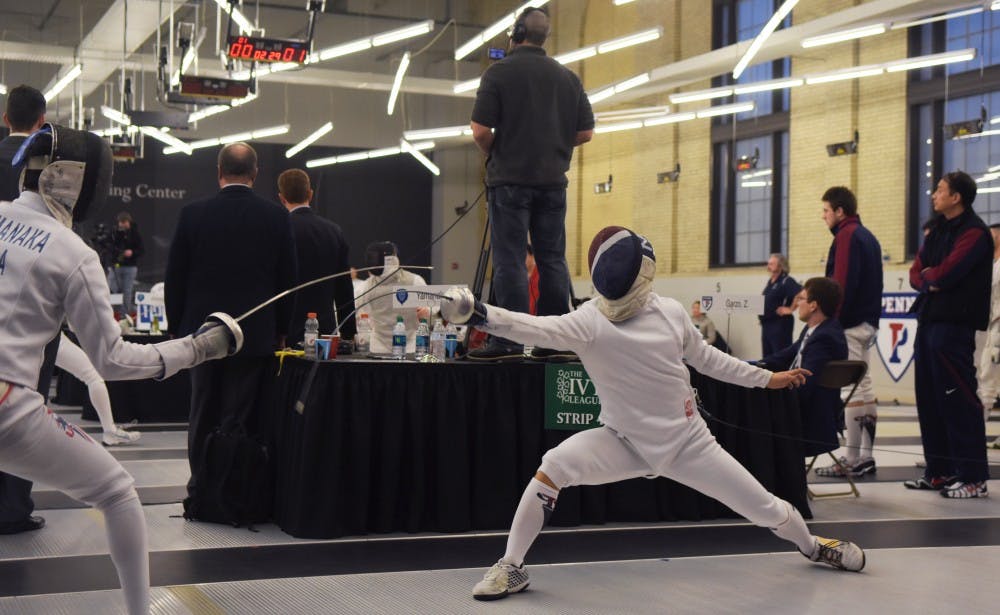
[(402, 446)]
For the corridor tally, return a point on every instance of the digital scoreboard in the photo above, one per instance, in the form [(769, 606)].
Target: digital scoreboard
[(257, 49)]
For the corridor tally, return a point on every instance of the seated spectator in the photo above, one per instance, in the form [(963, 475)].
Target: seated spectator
[(705, 325), (820, 342), (379, 306)]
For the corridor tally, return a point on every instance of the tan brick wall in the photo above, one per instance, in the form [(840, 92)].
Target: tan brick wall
[(676, 216)]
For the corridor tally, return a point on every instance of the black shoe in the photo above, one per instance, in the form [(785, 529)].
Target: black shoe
[(553, 356), (25, 525), (495, 351)]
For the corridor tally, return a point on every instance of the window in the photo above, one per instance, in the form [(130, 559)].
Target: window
[(749, 207), (946, 95)]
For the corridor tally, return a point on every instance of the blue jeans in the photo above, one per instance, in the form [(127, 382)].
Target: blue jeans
[(514, 212), (122, 280)]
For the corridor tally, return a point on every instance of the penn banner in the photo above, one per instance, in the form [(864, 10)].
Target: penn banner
[(897, 333), (571, 401)]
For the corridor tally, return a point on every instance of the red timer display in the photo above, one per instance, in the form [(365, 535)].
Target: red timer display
[(267, 49)]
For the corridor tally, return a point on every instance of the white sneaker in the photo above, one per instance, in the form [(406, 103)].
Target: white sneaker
[(500, 580), (838, 553), (120, 436)]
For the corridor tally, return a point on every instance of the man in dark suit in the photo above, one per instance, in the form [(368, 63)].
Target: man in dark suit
[(821, 341), (24, 114), (230, 252), (321, 250)]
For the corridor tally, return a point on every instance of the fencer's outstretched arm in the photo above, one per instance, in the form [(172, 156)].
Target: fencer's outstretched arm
[(88, 309), (570, 331)]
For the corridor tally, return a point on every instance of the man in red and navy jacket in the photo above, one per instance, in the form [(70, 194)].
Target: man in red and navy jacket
[(953, 273), (855, 262)]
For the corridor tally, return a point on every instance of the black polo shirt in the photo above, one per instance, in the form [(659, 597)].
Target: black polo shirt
[(535, 106)]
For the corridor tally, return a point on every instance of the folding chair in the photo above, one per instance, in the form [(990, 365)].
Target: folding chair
[(837, 375)]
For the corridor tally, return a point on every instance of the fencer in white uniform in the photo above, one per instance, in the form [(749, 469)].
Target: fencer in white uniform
[(72, 359), (48, 274), (988, 374), (377, 289), (634, 345)]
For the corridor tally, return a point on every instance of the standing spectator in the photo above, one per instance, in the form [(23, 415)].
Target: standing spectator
[(855, 262), (779, 294), (530, 113), (321, 250), (230, 252), (821, 341), (126, 254), (988, 374), (24, 115), (952, 273)]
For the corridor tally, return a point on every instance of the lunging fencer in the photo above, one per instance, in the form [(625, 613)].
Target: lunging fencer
[(48, 274), (634, 345)]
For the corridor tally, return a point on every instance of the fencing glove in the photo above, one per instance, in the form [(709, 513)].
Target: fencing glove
[(460, 306), (219, 337)]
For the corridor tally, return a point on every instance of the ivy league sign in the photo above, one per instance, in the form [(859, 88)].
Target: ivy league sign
[(571, 402)]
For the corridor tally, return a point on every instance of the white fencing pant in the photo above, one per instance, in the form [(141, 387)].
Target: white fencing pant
[(598, 456), (73, 359), (988, 374), (861, 415), (39, 445)]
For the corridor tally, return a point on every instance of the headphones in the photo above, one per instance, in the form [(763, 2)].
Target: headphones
[(520, 32)]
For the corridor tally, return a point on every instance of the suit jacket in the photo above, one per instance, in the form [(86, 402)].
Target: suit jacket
[(321, 250), (820, 406), (231, 252), (9, 176)]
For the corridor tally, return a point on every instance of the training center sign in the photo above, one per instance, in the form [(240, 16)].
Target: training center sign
[(571, 401)]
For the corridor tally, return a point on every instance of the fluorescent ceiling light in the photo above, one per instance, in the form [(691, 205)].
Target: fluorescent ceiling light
[(854, 72), (466, 86), (242, 136), (3, 89), (385, 151), (934, 59), (844, 35), (403, 33), (926, 20), (421, 158), (502, 24), (771, 25), (987, 190), (375, 153), (673, 118), (621, 2), (726, 109), (632, 114), (351, 157), (216, 109), (697, 95), (995, 6), (398, 81), (65, 80), (168, 139), (576, 55), (304, 143), (241, 21), (628, 84), (617, 127), (436, 133), (345, 49), (755, 184), (759, 173), (597, 97), (632, 39), (766, 86), (115, 115), (985, 133)]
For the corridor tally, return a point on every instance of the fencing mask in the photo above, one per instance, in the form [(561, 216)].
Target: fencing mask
[(376, 253), (622, 267), (70, 169)]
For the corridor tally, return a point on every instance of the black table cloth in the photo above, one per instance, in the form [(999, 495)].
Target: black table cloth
[(401, 446)]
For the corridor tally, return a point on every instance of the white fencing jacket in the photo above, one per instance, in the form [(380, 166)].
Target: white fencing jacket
[(637, 367), (381, 313), (48, 274)]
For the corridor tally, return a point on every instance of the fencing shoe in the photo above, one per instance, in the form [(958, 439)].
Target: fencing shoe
[(120, 436), (961, 491), (838, 553), (500, 580)]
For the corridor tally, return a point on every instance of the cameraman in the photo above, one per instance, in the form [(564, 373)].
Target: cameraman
[(127, 249)]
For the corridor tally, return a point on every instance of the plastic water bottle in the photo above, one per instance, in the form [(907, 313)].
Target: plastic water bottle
[(423, 339), (311, 333), (363, 337), (451, 340), (437, 340), (399, 339)]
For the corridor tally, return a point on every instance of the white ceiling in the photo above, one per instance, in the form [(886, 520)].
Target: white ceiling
[(40, 38)]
